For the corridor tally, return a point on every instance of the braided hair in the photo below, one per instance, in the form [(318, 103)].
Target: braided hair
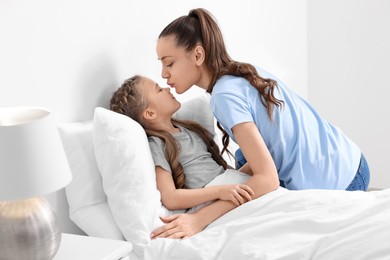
[(128, 100)]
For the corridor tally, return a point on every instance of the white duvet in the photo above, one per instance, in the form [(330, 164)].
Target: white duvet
[(308, 224)]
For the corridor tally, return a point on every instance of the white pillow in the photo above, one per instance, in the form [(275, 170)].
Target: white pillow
[(87, 201), (127, 168), (126, 165), (198, 109)]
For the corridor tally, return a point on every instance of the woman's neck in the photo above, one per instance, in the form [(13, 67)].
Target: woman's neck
[(205, 78)]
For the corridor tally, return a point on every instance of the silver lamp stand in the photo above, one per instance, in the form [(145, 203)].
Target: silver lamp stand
[(28, 225)]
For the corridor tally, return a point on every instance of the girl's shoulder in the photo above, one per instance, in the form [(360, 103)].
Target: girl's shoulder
[(154, 140)]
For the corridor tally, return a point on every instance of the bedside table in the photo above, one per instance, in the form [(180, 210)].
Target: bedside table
[(77, 247)]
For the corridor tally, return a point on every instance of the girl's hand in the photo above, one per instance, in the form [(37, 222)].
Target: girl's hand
[(236, 193), (179, 226)]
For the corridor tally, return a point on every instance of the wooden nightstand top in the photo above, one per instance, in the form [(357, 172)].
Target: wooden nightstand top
[(78, 247)]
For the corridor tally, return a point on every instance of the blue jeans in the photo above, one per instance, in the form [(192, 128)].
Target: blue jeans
[(360, 182), (240, 159), (362, 177)]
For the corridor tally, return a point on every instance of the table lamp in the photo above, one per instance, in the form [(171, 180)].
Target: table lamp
[(32, 163)]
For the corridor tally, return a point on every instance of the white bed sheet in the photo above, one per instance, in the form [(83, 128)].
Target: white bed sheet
[(308, 224)]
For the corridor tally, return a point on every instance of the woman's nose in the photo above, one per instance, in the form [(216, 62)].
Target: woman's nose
[(164, 74)]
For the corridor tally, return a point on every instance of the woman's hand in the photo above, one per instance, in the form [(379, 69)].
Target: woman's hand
[(179, 226), (236, 193)]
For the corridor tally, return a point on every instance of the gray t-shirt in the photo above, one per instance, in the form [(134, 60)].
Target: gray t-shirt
[(198, 164)]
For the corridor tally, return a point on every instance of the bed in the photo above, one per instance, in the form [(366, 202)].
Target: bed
[(113, 194)]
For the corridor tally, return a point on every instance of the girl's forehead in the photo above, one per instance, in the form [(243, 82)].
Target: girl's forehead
[(147, 85)]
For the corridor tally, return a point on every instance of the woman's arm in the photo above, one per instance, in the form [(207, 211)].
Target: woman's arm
[(173, 198), (263, 180), (264, 174), (246, 169)]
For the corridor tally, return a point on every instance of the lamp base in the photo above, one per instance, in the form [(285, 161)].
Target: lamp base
[(28, 230)]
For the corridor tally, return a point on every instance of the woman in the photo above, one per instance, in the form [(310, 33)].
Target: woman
[(281, 137)]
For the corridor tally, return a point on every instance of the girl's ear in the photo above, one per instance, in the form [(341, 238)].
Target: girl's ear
[(199, 55), (149, 114)]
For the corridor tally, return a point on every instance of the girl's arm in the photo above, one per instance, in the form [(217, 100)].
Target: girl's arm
[(263, 180), (186, 225), (173, 198)]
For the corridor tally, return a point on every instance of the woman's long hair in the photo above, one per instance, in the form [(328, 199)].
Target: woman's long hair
[(199, 27), (128, 100)]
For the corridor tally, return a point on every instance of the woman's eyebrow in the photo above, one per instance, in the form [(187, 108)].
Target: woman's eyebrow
[(164, 57)]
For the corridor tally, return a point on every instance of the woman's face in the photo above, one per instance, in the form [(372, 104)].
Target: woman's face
[(179, 67), (159, 99)]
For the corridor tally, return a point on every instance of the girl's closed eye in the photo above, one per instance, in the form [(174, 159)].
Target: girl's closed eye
[(158, 88), (169, 65)]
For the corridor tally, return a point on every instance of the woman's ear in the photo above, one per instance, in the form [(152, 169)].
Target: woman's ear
[(199, 55)]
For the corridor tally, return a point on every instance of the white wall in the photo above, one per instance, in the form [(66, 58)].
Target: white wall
[(349, 63), (70, 55)]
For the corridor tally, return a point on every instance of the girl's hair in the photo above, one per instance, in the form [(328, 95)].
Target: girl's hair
[(128, 100), (199, 27)]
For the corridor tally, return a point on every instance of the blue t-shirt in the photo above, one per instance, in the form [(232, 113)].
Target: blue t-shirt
[(308, 151)]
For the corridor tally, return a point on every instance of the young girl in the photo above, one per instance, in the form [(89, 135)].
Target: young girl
[(281, 137), (185, 155)]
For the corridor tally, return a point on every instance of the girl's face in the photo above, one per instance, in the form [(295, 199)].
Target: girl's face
[(160, 100), (179, 67)]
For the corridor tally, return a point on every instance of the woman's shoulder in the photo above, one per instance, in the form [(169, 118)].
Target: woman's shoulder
[(230, 79), (237, 83), (231, 84)]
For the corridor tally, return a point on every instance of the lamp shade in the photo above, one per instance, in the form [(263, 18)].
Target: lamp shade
[(32, 157)]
